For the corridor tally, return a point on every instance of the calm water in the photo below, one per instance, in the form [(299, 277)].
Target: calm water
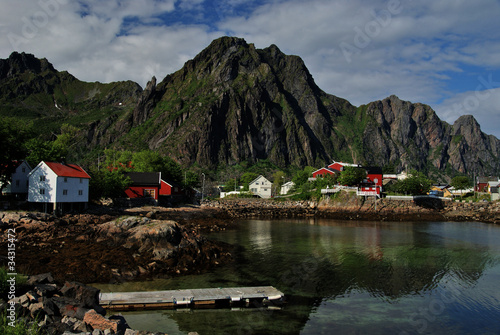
[(350, 277)]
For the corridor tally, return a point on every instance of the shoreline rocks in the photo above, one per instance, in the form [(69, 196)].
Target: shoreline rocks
[(348, 207), (71, 309), (122, 248)]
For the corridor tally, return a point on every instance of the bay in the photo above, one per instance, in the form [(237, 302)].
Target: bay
[(346, 277)]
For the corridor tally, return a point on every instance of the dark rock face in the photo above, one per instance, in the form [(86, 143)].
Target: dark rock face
[(412, 135), (234, 103), (71, 309)]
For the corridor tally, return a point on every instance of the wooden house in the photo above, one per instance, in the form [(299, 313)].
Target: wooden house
[(58, 186)]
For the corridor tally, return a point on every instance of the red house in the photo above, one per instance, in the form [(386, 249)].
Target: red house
[(339, 166), (374, 175), (323, 172), (170, 188), (144, 185), (482, 183)]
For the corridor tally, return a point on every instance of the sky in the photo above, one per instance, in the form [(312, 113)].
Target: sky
[(444, 53)]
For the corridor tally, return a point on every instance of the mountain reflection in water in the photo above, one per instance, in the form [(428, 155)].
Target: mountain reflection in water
[(348, 276)]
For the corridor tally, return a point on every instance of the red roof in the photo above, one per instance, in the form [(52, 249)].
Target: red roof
[(67, 170)]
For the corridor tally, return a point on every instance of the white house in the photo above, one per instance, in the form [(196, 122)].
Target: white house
[(286, 187), (58, 185), (19, 179), (261, 186), (494, 190)]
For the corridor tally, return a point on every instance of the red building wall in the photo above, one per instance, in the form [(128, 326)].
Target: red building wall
[(322, 173), (139, 191), (375, 178)]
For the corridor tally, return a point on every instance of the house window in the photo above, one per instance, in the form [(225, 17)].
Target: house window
[(18, 182), (80, 192), (149, 193), (65, 179), (42, 178), (23, 169), (42, 191), (81, 180), (65, 192)]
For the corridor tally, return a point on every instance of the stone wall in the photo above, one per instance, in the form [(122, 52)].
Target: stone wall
[(358, 208)]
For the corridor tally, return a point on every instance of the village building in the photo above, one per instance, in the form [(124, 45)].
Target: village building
[(145, 185), (339, 166), (261, 186), (493, 190), (481, 184), (19, 180), (325, 172), (58, 187), (286, 187), (441, 190)]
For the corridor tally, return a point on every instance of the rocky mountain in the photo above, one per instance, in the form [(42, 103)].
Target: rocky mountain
[(234, 103), (31, 89)]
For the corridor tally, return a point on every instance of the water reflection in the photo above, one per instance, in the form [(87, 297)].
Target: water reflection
[(385, 260), (355, 277)]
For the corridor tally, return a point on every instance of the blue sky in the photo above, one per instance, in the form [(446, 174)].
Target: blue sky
[(443, 53)]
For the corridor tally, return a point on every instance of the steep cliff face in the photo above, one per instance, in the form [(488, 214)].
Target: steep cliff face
[(412, 135), (235, 103)]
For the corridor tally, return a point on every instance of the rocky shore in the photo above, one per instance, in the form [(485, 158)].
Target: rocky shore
[(72, 308), (114, 247), (348, 207)]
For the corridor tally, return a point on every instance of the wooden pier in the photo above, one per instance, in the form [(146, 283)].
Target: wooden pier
[(189, 298)]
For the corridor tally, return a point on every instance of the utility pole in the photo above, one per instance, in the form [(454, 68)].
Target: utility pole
[(203, 188)]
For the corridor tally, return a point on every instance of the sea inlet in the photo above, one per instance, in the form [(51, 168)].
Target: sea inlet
[(345, 277)]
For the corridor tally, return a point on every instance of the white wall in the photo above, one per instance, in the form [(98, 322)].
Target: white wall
[(19, 183), (261, 186), (55, 187), (48, 185), (72, 186)]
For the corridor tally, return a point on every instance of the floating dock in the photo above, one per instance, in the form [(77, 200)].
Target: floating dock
[(207, 297)]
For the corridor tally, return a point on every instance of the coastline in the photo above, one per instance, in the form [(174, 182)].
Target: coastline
[(150, 242), (357, 208)]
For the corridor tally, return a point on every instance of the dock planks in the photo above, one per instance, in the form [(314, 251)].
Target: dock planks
[(186, 298)]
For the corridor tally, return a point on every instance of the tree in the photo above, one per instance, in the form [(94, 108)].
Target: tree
[(302, 176), (13, 133), (352, 176), (461, 183), (416, 184), (40, 150), (191, 179), (247, 178), (107, 184), (278, 181), (231, 185)]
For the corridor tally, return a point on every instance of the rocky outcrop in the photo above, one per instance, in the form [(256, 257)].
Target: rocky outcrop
[(412, 135), (71, 309), (102, 248)]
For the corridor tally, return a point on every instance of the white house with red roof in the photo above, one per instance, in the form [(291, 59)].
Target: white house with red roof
[(58, 184)]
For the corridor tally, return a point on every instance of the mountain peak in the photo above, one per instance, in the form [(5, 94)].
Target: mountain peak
[(23, 62)]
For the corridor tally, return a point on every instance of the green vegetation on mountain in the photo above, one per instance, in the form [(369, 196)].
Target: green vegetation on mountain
[(233, 106)]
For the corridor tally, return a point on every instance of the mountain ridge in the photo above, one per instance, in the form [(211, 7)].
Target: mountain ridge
[(233, 103)]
